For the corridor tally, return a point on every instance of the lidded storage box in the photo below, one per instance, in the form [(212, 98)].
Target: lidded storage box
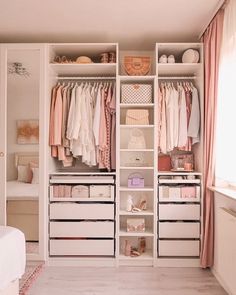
[(136, 93)]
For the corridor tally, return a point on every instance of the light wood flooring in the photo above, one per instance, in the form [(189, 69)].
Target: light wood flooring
[(125, 281)]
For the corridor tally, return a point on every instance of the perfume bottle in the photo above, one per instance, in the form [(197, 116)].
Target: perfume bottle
[(129, 203)]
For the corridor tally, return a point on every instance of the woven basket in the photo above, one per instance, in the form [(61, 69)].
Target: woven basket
[(137, 65)]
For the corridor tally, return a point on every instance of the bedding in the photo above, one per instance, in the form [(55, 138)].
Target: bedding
[(12, 257), (17, 190)]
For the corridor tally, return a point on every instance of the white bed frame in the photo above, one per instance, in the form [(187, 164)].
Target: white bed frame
[(23, 214)]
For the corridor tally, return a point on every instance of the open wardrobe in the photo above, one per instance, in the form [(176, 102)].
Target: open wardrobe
[(116, 169)]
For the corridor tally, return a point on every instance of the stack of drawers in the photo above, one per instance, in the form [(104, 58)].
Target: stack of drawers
[(179, 219), (82, 227)]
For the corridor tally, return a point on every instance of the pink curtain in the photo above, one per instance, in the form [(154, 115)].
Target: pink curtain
[(212, 42)]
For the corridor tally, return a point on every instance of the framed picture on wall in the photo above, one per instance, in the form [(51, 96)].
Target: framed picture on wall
[(27, 131)]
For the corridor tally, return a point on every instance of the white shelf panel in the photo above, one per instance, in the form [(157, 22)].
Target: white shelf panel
[(178, 173), (179, 181), (178, 69), (143, 213), (94, 69), (136, 105), (82, 199), (136, 168), (147, 233), (137, 78), (137, 126), (137, 150), (139, 189), (144, 256), (82, 173)]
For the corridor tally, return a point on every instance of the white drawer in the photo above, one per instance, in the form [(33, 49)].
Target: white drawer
[(179, 212), (92, 229), (176, 194), (179, 248), (179, 230), (81, 247), (81, 211), (102, 191)]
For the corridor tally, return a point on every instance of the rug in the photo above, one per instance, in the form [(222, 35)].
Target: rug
[(32, 271)]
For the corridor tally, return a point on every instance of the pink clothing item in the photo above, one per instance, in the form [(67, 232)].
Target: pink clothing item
[(162, 121), (103, 129), (212, 44), (113, 129)]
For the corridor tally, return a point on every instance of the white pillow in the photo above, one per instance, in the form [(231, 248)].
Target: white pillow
[(23, 173), (35, 178)]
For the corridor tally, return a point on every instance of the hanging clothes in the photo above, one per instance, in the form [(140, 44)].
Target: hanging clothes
[(179, 116), (82, 124)]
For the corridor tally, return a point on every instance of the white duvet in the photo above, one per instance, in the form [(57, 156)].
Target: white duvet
[(17, 190), (12, 255)]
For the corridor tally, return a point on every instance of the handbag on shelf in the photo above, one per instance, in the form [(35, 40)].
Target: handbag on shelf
[(136, 93), (80, 191), (137, 65), (164, 163), (136, 160), (137, 139), (135, 180), (135, 225), (137, 117)]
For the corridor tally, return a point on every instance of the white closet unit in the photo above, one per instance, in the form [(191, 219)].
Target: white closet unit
[(179, 216)]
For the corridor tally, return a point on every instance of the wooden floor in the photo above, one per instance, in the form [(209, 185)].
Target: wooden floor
[(125, 281)]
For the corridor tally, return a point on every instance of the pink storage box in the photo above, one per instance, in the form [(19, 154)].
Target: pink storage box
[(135, 180), (188, 192)]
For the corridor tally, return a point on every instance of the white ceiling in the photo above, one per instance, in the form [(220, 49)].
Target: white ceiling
[(132, 23)]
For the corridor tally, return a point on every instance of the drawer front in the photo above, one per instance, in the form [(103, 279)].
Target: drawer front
[(90, 229), (179, 230), (179, 212), (179, 248), (81, 211), (81, 247), (101, 191)]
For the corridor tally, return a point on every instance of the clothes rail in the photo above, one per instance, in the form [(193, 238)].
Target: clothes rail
[(86, 78), (177, 78)]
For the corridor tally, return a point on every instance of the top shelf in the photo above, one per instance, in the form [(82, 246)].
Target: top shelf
[(93, 69)]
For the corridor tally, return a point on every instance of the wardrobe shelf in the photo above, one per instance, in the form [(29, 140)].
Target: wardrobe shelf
[(137, 78), (94, 69), (137, 150), (179, 181), (170, 173), (136, 168), (143, 213), (81, 199), (179, 69), (139, 189), (144, 256), (136, 126), (83, 173), (136, 105), (147, 233)]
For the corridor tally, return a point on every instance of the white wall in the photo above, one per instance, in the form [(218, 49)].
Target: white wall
[(22, 103)]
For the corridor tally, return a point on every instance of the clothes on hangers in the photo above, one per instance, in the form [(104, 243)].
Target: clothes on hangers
[(179, 116), (82, 123)]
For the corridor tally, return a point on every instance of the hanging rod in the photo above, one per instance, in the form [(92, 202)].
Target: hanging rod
[(177, 78), (86, 78)]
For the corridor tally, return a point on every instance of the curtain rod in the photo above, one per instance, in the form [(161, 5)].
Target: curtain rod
[(222, 4), (86, 78)]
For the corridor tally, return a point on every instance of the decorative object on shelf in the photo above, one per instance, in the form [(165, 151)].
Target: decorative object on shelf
[(100, 191), (127, 251), (164, 162), (163, 59), (142, 245), (179, 162), (16, 68), (190, 56), (171, 59), (83, 60), (112, 57), (136, 93), (135, 225), (135, 180), (129, 203), (140, 207), (137, 117), (135, 160), (136, 139), (80, 191), (62, 60), (191, 177), (28, 131), (104, 57), (137, 65)]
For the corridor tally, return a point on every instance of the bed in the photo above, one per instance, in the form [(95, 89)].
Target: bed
[(22, 201), (12, 259)]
